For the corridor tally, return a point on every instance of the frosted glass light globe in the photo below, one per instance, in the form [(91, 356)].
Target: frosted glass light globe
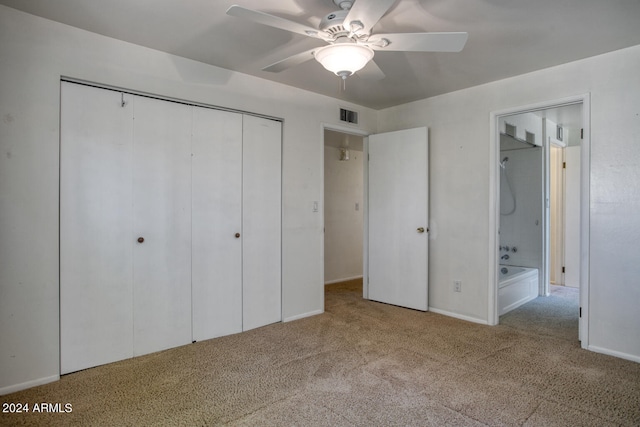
[(343, 59)]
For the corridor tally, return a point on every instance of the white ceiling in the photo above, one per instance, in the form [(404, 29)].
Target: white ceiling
[(506, 38)]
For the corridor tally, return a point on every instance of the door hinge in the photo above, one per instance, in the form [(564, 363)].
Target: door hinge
[(564, 165), (580, 315), (582, 133), (563, 269)]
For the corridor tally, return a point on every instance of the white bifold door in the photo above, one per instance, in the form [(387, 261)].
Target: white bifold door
[(170, 224), (236, 223), (161, 225), (398, 241), (217, 217), (96, 228), (261, 219)]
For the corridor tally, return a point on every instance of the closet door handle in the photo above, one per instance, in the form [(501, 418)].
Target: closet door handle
[(140, 239), (420, 229), (237, 235)]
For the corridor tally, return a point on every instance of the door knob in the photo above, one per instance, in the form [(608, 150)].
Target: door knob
[(420, 229), (237, 235), (140, 239)]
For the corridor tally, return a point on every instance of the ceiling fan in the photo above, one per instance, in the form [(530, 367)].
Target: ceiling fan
[(351, 44)]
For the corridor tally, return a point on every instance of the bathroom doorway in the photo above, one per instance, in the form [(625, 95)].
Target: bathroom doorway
[(541, 197)]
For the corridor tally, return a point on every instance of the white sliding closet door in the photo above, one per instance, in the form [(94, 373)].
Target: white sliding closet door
[(162, 217), (96, 268), (217, 220), (261, 219)]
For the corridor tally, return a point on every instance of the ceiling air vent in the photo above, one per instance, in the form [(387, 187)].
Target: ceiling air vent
[(530, 137), (348, 116), (510, 129)]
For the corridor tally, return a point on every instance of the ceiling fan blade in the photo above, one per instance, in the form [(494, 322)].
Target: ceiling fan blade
[(291, 61), (276, 22), (371, 72), (367, 12), (419, 42)]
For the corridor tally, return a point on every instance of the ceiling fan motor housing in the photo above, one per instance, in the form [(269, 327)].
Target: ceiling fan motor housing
[(333, 23)]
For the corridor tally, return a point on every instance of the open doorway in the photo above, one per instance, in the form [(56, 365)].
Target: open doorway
[(541, 196), (343, 207)]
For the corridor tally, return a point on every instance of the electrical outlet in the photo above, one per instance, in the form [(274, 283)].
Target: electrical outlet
[(457, 285)]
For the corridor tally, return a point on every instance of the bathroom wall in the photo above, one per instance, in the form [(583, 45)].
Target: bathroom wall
[(522, 227), (527, 122), (522, 193), (343, 219)]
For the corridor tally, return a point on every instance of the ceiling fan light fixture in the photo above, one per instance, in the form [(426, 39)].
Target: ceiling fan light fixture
[(344, 59)]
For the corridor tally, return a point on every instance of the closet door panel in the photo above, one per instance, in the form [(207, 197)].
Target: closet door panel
[(162, 217), (217, 217), (261, 190), (96, 313)]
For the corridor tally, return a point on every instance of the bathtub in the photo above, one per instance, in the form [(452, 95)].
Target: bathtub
[(516, 286)]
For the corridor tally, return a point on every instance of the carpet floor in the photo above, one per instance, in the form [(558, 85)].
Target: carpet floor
[(361, 363)]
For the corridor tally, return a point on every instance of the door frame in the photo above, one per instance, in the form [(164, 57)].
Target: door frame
[(494, 205), (365, 203)]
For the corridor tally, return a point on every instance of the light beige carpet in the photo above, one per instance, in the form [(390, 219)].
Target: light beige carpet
[(555, 315), (360, 364)]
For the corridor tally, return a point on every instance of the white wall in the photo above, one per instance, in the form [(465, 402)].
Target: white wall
[(34, 54), (523, 228), (343, 189), (461, 176)]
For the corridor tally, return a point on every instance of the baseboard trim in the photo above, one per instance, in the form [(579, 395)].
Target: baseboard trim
[(614, 353), (458, 316), (302, 316), (330, 282), (28, 384)]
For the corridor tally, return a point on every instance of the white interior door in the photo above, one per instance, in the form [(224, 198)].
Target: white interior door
[(261, 222), (398, 195), (572, 217), (162, 217), (96, 266), (216, 220)]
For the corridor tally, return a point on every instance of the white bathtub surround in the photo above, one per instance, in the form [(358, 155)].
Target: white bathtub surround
[(518, 285), (521, 207)]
